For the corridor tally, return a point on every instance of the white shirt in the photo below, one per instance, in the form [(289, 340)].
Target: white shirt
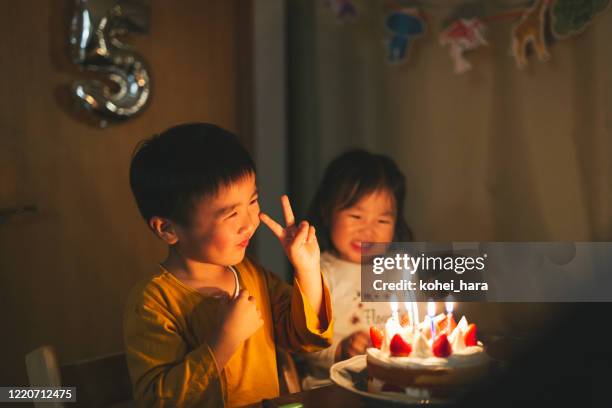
[(350, 314)]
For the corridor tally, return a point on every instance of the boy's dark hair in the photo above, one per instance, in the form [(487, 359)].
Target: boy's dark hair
[(347, 179), (173, 169)]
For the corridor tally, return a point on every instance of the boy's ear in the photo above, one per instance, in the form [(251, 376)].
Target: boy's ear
[(164, 229)]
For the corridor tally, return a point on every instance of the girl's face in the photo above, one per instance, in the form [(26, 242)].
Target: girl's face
[(371, 219)]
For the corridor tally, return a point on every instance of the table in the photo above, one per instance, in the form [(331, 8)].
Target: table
[(324, 397), (502, 348)]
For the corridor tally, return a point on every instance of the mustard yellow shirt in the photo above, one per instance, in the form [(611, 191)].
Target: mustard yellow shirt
[(168, 327)]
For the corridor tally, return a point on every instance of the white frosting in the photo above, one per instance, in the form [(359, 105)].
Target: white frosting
[(469, 356), (392, 327), (462, 326), (457, 337), (422, 355), (426, 325), (457, 341), (420, 347)]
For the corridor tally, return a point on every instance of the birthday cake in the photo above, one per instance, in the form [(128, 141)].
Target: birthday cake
[(437, 358)]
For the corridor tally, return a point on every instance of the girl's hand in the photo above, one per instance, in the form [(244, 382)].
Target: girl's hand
[(298, 241), (353, 345)]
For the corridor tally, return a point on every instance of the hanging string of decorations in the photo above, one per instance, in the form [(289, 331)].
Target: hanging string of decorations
[(464, 28)]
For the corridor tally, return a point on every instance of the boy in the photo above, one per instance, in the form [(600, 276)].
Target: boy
[(203, 330)]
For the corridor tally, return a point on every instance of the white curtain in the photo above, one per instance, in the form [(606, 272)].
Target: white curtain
[(494, 154)]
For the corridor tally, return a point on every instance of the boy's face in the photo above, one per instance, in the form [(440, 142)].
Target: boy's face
[(221, 225), (371, 219)]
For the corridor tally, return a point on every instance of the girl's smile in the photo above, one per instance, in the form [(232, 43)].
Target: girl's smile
[(371, 219)]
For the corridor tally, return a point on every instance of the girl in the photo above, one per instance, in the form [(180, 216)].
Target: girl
[(360, 200)]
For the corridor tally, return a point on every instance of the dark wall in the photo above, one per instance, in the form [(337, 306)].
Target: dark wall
[(66, 270)]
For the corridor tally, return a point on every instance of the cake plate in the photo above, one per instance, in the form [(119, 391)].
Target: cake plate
[(352, 375)]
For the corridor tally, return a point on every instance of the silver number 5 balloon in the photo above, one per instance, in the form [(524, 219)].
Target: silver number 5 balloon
[(97, 28)]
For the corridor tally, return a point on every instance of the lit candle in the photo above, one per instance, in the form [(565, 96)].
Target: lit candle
[(408, 307), (449, 316), (394, 309), (392, 327), (431, 312), (415, 312)]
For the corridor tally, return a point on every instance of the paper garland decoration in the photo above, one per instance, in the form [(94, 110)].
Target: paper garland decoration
[(531, 30), (403, 26), (466, 30), (570, 17), (344, 10), (463, 35)]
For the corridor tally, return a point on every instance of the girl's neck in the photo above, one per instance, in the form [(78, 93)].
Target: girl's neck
[(339, 258)]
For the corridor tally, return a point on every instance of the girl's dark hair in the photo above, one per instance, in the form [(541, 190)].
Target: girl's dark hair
[(347, 179)]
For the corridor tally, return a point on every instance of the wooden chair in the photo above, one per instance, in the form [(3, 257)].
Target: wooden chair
[(101, 382)]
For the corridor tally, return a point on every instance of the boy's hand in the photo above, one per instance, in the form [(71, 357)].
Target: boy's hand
[(302, 249), (352, 345), (242, 320), (298, 241)]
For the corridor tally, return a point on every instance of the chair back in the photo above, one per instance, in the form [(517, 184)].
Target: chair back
[(100, 382)]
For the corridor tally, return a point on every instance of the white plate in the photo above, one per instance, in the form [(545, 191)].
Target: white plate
[(347, 373)]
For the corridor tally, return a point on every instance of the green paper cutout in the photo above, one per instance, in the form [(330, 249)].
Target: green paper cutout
[(570, 17)]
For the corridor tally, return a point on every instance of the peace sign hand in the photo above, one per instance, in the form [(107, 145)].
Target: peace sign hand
[(298, 241)]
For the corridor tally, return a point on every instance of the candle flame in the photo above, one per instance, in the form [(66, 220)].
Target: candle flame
[(394, 307), (431, 309), (408, 307), (449, 307)]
